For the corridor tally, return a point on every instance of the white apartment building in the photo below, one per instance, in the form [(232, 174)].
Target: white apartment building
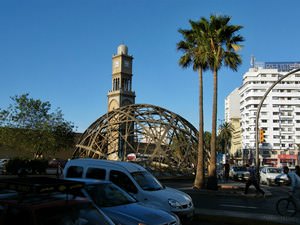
[(279, 116), (232, 105), (233, 116)]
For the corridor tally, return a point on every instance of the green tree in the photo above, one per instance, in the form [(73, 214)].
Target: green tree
[(225, 135), (29, 125), (195, 53), (224, 44)]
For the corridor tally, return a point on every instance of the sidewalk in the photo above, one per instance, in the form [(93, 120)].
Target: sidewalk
[(226, 217)]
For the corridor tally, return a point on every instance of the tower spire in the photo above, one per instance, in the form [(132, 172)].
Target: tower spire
[(121, 93)]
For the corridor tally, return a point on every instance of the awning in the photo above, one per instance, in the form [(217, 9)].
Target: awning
[(284, 156)]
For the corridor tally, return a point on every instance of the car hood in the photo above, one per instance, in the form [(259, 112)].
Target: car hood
[(135, 213), (273, 175), (281, 176), (242, 172), (172, 193)]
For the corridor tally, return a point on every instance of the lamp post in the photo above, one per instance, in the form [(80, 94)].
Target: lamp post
[(258, 112)]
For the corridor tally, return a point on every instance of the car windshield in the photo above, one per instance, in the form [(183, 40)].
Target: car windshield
[(242, 169), (82, 213), (108, 195), (147, 181), (274, 170)]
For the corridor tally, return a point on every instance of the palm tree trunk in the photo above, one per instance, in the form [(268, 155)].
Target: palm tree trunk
[(199, 179), (212, 182)]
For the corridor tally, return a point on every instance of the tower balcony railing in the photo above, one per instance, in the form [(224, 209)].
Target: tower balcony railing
[(122, 91)]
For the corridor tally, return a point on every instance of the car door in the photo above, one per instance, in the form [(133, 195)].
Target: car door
[(122, 180), (263, 178)]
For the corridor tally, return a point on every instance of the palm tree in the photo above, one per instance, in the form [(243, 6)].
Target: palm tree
[(225, 135), (224, 44), (196, 54)]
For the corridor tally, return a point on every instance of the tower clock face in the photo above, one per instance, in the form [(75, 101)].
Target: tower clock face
[(116, 64)]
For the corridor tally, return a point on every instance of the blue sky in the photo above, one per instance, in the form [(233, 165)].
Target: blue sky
[(60, 50)]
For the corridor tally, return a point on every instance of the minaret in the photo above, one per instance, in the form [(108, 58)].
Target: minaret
[(121, 93)]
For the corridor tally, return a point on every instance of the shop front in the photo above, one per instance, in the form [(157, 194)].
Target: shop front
[(270, 162), (287, 160)]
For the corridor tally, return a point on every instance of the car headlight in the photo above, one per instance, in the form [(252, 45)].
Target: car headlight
[(173, 203)]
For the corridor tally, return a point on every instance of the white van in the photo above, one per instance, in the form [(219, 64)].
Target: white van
[(136, 180)]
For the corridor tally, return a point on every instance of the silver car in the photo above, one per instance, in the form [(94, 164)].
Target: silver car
[(239, 173), (273, 175)]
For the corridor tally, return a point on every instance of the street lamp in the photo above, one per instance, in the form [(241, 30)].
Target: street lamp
[(258, 112)]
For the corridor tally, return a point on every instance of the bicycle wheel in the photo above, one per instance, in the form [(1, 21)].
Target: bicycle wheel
[(286, 207)]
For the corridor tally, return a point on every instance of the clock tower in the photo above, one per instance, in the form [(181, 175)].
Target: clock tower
[(121, 93)]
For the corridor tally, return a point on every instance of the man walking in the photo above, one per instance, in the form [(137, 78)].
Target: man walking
[(253, 180)]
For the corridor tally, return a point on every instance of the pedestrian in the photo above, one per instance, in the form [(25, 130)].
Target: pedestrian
[(59, 170), (294, 181), (226, 171), (253, 180)]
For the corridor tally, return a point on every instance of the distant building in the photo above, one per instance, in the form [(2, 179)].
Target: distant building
[(233, 116), (279, 116)]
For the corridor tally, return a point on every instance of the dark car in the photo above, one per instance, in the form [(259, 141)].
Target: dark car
[(47, 202), (122, 208)]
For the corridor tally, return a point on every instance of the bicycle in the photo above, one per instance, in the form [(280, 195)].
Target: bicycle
[(287, 206)]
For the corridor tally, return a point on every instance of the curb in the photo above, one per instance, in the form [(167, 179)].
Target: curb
[(226, 190)]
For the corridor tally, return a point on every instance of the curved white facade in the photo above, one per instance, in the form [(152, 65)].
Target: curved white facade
[(279, 116)]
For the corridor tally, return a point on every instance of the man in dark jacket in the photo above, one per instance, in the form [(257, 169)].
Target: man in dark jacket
[(253, 180)]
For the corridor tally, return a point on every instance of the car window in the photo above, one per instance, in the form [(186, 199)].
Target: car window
[(274, 170), (69, 214), (146, 181), (242, 169), (108, 195), (96, 173), (74, 172), (122, 180)]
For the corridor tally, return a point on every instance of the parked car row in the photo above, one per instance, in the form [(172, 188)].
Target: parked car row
[(268, 175), (94, 192)]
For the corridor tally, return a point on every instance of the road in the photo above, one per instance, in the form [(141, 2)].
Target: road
[(234, 202)]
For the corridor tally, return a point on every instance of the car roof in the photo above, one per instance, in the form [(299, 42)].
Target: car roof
[(40, 201), (129, 166), (39, 185), (89, 180), (40, 191)]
